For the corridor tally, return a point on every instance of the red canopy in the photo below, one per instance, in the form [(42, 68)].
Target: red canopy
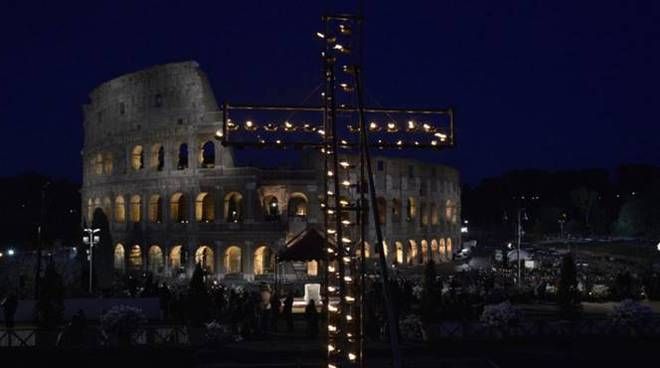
[(307, 246)]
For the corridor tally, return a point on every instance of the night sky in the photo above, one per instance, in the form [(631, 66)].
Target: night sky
[(536, 84)]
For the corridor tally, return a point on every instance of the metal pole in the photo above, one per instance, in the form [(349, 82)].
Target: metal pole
[(91, 257), (392, 322), (519, 239)]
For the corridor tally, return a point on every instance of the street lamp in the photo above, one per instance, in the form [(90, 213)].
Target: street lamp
[(522, 215), (10, 252), (91, 239)]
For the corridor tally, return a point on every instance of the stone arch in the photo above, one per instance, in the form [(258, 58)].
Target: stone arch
[(204, 207), (155, 209), (411, 208), (442, 249), (298, 205), (175, 257), (449, 248), (234, 207), (396, 210), (433, 209), (97, 164), (423, 215), (119, 258), (135, 261), (120, 209), (271, 207), (425, 251), (382, 210), (412, 255), (107, 207), (435, 255), (312, 268), (207, 155), (204, 256), (182, 157), (233, 261), (263, 260), (399, 252), (136, 208), (157, 161), (178, 207), (137, 158), (107, 163), (155, 261)]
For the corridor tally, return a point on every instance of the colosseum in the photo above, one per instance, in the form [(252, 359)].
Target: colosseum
[(173, 196)]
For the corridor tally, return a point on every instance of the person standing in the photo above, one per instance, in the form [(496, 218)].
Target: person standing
[(312, 317), (287, 311)]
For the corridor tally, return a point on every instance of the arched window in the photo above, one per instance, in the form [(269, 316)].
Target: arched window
[(297, 206), (410, 209), (136, 206), (425, 251), (204, 257), (441, 249), (135, 258), (178, 207), (207, 155), (396, 210), (233, 207), (119, 258), (449, 210), (434, 214), (182, 162), (120, 209), (157, 157), (155, 261), (204, 207), (233, 259), (435, 255), (175, 257), (272, 208), (412, 255), (264, 262), (155, 210), (382, 210), (448, 248), (107, 207), (107, 163), (399, 252), (97, 163), (423, 215), (137, 158)]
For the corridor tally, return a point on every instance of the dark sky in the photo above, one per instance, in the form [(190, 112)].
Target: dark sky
[(537, 84)]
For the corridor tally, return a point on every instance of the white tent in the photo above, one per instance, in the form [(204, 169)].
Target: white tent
[(512, 256)]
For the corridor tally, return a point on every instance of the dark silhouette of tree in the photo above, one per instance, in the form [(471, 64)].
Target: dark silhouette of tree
[(568, 292), (50, 302)]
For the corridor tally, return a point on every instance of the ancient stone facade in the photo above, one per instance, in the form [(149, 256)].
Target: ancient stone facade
[(173, 196)]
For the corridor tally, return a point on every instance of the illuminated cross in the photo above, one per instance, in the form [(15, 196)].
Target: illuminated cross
[(345, 132)]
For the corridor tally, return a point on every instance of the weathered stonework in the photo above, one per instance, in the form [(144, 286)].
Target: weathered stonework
[(173, 196)]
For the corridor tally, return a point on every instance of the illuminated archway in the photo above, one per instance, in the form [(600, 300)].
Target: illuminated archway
[(175, 257), (312, 268), (155, 210), (204, 207), (119, 258), (178, 207), (425, 251), (233, 259), (435, 255), (399, 252), (271, 207), (297, 206), (136, 208), (442, 249), (412, 255), (207, 154), (137, 158), (107, 163), (135, 258), (204, 257), (233, 207), (155, 260), (263, 262), (411, 208), (120, 209), (449, 248)]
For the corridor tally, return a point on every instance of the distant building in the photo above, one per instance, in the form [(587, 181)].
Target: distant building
[(173, 196)]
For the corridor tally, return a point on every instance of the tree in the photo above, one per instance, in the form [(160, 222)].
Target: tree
[(429, 299), (198, 298), (568, 292), (50, 302), (584, 200)]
